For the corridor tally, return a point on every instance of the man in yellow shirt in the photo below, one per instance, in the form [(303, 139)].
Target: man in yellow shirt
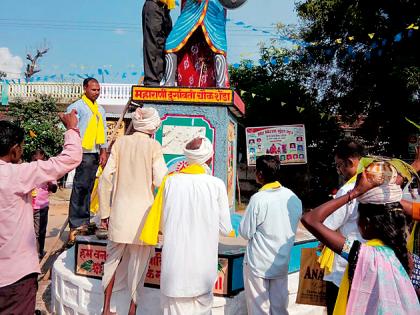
[(157, 24)]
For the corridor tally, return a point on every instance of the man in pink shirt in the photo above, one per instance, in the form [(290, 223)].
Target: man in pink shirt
[(18, 251)]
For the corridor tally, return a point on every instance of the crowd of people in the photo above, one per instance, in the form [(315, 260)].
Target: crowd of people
[(366, 225)]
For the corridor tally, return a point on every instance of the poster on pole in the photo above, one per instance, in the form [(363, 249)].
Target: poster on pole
[(287, 141)]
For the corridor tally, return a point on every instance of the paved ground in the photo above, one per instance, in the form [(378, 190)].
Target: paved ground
[(57, 217)]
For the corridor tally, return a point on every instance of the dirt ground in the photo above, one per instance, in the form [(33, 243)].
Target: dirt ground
[(56, 218)]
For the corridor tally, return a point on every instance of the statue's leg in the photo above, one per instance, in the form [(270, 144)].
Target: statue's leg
[(220, 65), (170, 71)]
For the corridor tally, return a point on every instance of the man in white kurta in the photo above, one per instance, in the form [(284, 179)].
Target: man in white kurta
[(347, 155), (269, 224), (195, 210), (135, 167)]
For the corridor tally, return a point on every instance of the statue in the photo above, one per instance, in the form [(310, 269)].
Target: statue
[(196, 47)]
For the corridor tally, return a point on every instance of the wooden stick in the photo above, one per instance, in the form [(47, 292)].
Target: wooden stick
[(239, 189), (53, 249), (117, 126)]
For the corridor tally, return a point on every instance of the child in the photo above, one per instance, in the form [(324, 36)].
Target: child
[(19, 264), (40, 205), (269, 225), (376, 280)]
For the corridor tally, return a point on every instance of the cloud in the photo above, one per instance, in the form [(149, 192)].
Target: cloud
[(119, 31), (10, 64)]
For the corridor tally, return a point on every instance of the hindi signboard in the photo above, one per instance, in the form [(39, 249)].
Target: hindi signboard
[(287, 141), (180, 95), (90, 255)]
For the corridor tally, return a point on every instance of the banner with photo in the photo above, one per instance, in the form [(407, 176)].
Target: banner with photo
[(287, 141)]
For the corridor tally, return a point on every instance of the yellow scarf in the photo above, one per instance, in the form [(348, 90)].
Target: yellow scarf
[(95, 132), (150, 232), (326, 259), (410, 242), (343, 292), (169, 3), (273, 185)]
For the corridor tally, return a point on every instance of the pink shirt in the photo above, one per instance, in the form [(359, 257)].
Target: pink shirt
[(40, 200), (18, 252)]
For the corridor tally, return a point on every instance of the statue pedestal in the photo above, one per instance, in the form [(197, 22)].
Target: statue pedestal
[(190, 112)]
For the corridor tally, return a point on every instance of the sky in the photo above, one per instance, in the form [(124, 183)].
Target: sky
[(85, 35)]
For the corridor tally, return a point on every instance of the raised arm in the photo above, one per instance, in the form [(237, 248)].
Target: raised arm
[(38, 172), (314, 220)]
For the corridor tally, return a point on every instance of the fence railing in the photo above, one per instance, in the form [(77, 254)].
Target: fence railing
[(111, 94)]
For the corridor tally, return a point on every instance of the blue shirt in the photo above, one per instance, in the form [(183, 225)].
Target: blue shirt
[(270, 225), (84, 114)]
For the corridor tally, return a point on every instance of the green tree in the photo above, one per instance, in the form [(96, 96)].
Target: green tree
[(275, 95), (41, 123), (364, 65)]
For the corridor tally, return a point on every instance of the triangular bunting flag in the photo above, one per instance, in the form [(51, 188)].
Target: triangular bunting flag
[(412, 27), (282, 103), (253, 95), (242, 92), (351, 38), (371, 35), (338, 40)]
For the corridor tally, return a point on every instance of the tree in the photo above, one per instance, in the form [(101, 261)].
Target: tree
[(364, 65), (42, 126), (275, 95), (31, 68)]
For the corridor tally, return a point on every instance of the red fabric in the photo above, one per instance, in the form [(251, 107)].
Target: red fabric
[(196, 57)]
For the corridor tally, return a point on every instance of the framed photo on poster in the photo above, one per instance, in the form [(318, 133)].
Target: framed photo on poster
[(288, 142)]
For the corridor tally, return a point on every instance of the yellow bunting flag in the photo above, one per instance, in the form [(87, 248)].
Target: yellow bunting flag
[(351, 38), (282, 103), (268, 99), (412, 27), (338, 40), (371, 35), (253, 95), (300, 109), (242, 92)]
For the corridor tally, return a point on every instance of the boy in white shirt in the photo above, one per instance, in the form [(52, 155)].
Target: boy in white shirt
[(269, 225)]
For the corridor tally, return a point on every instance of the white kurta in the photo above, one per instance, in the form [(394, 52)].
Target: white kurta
[(195, 209), (135, 167)]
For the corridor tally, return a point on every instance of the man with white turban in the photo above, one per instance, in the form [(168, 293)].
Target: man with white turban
[(194, 206), (135, 167)]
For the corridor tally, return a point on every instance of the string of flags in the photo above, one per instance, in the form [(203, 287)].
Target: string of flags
[(376, 43), (299, 109)]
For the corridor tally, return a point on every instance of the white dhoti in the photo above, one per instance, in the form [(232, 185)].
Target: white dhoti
[(265, 296), (129, 263), (199, 305)]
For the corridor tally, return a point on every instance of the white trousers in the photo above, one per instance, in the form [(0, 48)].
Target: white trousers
[(199, 305), (129, 263), (265, 296)]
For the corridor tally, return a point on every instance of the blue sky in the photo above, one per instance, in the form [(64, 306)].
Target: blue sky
[(84, 35)]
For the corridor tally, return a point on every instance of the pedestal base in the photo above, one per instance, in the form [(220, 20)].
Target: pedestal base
[(77, 295)]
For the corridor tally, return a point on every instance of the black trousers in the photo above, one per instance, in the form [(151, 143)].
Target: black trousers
[(332, 293), (157, 24), (40, 225), (84, 179), (19, 298)]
